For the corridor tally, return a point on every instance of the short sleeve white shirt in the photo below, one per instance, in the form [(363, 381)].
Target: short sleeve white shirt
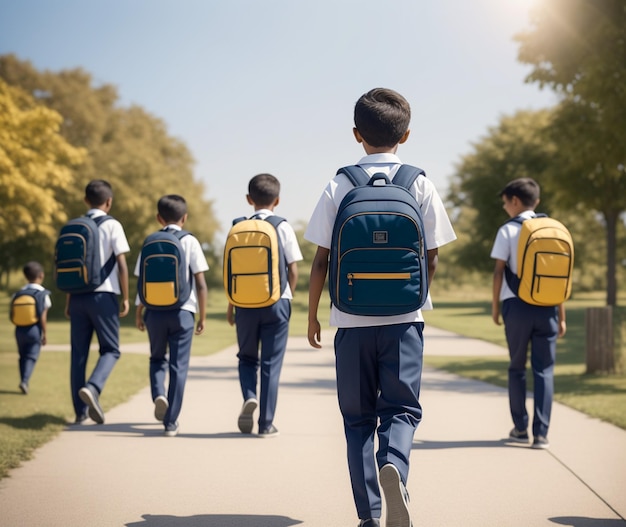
[(437, 226), (112, 241), (196, 261), (505, 248)]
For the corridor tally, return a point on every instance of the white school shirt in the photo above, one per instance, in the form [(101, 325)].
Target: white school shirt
[(38, 287), (112, 241), (290, 244), (505, 248), (196, 263), (437, 227)]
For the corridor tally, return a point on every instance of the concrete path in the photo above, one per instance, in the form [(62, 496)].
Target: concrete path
[(463, 473)]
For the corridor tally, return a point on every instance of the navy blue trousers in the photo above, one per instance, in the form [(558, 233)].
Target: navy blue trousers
[(535, 326), (89, 313), (267, 327), (379, 371), (173, 329), (28, 340)]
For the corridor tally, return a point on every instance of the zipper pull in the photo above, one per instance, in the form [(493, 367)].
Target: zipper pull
[(350, 277)]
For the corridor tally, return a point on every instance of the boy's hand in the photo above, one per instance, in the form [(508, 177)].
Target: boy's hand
[(315, 334), (125, 308), (230, 314), (200, 327), (44, 340), (495, 315)]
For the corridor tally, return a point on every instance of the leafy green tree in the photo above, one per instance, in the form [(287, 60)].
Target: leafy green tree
[(127, 146), (578, 49), (36, 165)]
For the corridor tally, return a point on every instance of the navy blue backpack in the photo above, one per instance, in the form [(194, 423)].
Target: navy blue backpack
[(164, 282), (378, 259), (77, 256)]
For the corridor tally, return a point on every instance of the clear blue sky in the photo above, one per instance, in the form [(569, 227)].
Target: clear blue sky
[(269, 86)]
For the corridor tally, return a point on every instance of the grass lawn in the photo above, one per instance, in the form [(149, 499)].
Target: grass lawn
[(28, 422)]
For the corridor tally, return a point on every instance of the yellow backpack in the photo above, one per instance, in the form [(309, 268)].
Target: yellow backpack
[(27, 305), (545, 262), (255, 269)]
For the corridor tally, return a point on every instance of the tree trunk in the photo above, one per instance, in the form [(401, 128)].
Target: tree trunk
[(599, 330), (611, 218)]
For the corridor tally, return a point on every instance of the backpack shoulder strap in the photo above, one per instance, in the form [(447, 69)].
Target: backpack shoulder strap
[(356, 174), (274, 220), (406, 176), (180, 234), (99, 220)]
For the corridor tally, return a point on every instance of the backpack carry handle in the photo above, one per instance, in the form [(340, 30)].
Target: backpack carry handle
[(379, 176)]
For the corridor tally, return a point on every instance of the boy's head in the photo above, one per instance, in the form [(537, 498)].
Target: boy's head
[(381, 117), (264, 191), (519, 195), (33, 271), (98, 193), (172, 208)]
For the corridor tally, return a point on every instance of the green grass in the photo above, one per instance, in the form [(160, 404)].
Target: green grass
[(598, 395), (26, 423)]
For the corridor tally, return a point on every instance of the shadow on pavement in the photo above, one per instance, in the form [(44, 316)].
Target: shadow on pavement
[(579, 521), (214, 520)]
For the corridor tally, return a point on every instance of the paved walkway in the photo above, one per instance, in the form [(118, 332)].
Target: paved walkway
[(126, 473)]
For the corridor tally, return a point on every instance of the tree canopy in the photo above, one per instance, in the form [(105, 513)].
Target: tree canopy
[(127, 146), (578, 48)]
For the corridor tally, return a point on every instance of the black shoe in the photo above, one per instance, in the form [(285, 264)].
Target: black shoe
[(80, 419), (371, 522), (89, 396), (171, 429), (245, 421), (269, 431), (396, 497), (541, 443), (518, 436), (23, 388)]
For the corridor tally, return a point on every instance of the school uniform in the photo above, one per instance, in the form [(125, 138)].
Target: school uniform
[(97, 312), (173, 329), (524, 325), (267, 327), (378, 358), (28, 340)]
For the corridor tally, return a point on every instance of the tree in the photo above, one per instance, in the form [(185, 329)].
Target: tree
[(127, 146), (36, 165), (578, 48)]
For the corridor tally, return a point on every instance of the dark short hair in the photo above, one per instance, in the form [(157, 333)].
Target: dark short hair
[(382, 117), (97, 192), (172, 208), (263, 189), (32, 270), (525, 189)]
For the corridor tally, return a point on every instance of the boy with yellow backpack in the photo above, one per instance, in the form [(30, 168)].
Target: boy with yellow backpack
[(532, 279)]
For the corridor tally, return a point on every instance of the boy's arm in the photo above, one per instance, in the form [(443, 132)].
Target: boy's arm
[(43, 320), (433, 260), (319, 268), (562, 324), (66, 311), (201, 289), (498, 277), (230, 314), (122, 269), (141, 326), (292, 276)]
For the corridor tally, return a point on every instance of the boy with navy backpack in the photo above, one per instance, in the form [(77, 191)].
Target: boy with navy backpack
[(265, 327), (90, 266), (171, 289), (29, 312), (525, 324), (379, 343)]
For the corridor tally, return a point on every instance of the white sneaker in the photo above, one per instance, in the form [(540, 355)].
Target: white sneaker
[(161, 405), (396, 497), (245, 421)]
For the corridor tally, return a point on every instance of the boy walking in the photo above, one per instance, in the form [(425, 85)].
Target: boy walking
[(378, 358), (98, 311), (174, 328), (30, 328), (524, 323), (266, 327)]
